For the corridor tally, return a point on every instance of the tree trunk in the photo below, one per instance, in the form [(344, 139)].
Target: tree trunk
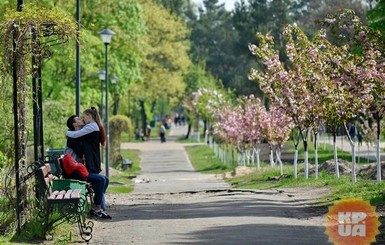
[(153, 104), (295, 163), (379, 172), (316, 154), (188, 130), (143, 115), (352, 145), (278, 154), (272, 164), (335, 154), (306, 153), (116, 105)]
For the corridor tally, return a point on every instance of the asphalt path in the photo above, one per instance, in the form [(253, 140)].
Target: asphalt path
[(173, 204)]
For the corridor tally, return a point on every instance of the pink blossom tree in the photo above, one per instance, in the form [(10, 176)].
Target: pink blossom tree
[(206, 102), (322, 81), (276, 129), (225, 124), (356, 71), (290, 86), (252, 127)]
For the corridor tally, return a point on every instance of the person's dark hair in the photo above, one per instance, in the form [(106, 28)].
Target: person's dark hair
[(70, 122), (95, 115)]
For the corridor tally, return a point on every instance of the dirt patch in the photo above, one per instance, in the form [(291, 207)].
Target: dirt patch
[(237, 172), (329, 167), (369, 171)]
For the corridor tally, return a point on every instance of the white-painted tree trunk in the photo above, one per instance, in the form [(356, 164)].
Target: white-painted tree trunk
[(272, 164), (256, 150), (278, 154), (336, 159), (316, 162), (316, 154), (220, 154), (252, 156), (198, 136), (247, 156), (239, 158), (378, 161), (295, 163), (354, 175), (224, 153), (229, 158), (306, 164)]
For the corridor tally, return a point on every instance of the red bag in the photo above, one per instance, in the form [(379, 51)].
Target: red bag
[(70, 166)]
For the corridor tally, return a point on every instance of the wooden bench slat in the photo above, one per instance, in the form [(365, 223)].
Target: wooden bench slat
[(67, 195), (76, 194), (61, 195), (52, 196)]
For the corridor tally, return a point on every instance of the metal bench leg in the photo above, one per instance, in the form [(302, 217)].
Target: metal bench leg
[(85, 229)]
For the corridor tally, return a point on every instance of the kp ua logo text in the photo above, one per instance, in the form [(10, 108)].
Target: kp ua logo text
[(352, 221), (351, 224)]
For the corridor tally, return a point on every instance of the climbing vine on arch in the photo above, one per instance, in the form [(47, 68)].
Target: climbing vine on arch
[(25, 39)]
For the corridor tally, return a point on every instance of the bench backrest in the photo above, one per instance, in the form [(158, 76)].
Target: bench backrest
[(59, 189), (46, 173), (45, 177)]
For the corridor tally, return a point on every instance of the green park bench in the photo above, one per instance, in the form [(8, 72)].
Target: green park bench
[(63, 200)]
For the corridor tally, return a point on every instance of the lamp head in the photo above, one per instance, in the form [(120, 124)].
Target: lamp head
[(106, 35), (102, 75), (114, 79)]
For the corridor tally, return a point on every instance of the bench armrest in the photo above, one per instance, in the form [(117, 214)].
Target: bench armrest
[(68, 184)]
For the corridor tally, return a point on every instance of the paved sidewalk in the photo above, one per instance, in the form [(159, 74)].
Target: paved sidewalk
[(165, 167), (176, 205)]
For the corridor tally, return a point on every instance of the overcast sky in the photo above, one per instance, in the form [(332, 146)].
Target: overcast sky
[(229, 4)]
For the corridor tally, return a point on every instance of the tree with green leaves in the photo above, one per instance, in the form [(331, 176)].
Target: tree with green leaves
[(165, 59)]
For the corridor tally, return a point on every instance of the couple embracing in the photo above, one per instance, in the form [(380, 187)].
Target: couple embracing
[(84, 137)]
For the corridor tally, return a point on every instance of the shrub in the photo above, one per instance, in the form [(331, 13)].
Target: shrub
[(118, 124)]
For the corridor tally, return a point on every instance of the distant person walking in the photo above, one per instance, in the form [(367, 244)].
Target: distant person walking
[(359, 137), (352, 131), (148, 127), (162, 133)]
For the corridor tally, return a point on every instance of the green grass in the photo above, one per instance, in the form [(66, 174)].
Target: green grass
[(122, 183), (204, 160), (342, 187), (189, 140), (32, 233)]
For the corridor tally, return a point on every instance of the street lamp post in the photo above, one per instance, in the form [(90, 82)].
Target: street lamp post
[(114, 79), (102, 78), (78, 58), (106, 36)]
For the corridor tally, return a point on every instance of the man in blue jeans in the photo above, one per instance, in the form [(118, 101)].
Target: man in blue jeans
[(86, 146)]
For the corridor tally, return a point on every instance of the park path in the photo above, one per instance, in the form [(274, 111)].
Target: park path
[(165, 168), (173, 204)]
